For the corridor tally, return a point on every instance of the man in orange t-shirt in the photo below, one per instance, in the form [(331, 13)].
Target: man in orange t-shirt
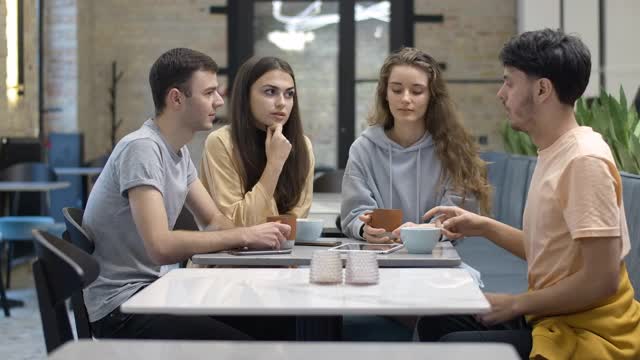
[(580, 303)]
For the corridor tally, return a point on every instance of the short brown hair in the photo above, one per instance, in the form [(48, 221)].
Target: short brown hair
[(173, 69)]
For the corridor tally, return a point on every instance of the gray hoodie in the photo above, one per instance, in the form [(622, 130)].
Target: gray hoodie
[(382, 174)]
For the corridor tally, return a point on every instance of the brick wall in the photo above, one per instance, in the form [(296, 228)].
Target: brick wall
[(83, 38), (20, 119), (134, 34), (468, 41), (60, 66)]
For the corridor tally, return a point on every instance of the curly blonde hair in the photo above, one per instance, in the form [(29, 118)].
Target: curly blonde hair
[(454, 144)]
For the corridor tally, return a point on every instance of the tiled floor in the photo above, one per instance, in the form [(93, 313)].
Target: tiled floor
[(21, 333)]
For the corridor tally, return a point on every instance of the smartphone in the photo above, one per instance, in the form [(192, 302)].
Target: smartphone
[(377, 248), (319, 242), (260, 252)]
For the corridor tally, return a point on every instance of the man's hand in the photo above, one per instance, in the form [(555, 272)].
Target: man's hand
[(457, 222), (371, 234), (503, 308), (269, 235)]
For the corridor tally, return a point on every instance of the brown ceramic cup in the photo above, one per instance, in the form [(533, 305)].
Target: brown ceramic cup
[(290, 220), (388, 219)]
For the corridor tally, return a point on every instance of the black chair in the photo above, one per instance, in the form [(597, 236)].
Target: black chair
[(26, 204), (61, 269), (3, 299), (78, 237)]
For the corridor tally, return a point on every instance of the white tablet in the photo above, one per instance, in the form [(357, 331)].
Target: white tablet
[(376, 248), (260, 252)]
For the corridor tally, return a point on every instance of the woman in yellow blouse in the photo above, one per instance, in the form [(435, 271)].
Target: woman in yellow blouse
[(261, 164)]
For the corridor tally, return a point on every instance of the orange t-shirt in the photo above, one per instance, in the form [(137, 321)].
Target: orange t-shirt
[(575, 192)]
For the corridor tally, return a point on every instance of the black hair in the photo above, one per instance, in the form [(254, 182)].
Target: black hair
[(563, 59)]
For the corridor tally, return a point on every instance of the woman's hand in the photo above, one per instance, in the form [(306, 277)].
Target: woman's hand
[(371, 234), (277, 147)]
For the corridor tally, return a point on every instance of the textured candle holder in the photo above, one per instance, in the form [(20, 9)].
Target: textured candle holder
[(326, 267), (362, 268)]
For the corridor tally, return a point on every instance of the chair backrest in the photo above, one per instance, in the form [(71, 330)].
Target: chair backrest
[(631, 198), (515, 187), (77, 235), (329, 182), (60, 270), (496, 165)]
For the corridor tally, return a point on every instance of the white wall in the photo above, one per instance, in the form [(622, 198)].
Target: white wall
[(581, 17), (538, 14), (622, 56)]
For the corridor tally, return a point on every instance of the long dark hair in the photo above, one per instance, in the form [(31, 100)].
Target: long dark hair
[(454, 145), (249, 140)]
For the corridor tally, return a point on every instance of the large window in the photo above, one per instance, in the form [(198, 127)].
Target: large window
[(335, 48)]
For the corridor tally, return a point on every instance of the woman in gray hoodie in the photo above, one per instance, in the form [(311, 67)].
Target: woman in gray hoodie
[(415, 155)]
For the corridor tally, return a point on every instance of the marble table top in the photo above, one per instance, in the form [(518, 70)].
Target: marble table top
[(283, 291), (444, 255), (222, 350)]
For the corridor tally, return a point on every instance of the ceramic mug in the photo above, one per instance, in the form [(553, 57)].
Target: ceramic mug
[(290, 220), (388, 219), (420, 239)]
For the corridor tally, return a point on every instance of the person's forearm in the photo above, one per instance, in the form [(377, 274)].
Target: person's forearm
[(180, 245), (505, 236), (270, 176), (578, 292)]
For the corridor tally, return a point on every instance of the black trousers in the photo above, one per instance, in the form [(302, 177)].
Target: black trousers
[(465, 328), (145, 326)]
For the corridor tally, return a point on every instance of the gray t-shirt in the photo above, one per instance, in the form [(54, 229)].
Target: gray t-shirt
[(141, 158)]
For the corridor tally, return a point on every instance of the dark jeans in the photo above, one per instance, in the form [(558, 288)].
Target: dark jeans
[(144, 326), (272, 328), (465, 328)]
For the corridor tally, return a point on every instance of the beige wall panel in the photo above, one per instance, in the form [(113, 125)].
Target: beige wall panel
[(134, 34)]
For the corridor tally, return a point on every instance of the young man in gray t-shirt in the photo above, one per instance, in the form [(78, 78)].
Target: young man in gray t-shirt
[(134, 205)]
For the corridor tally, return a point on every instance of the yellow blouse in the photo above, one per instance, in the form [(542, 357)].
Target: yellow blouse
[(220, 175)]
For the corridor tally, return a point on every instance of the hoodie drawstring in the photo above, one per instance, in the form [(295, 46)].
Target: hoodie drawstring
[(418, 189), (390, 178)]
